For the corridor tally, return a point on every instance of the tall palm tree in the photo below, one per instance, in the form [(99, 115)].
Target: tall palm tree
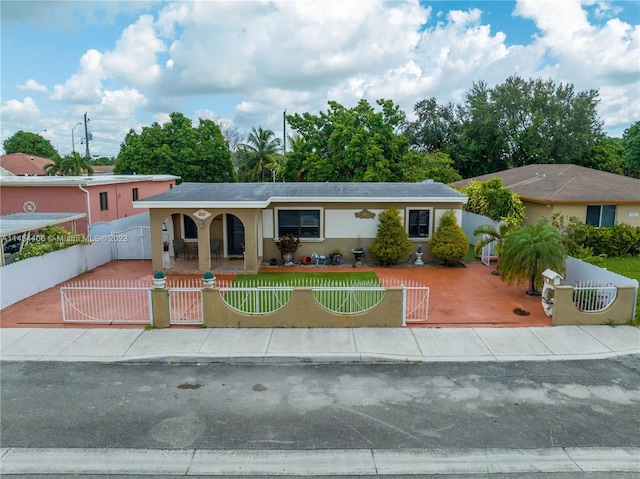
[(259, 151), (528, 251)]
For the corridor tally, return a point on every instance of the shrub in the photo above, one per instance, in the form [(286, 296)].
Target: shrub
[(288, 243), (392, 243), (51, 238), (449, 243)]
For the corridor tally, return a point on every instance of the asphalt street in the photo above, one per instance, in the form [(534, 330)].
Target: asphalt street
[(563, 410)]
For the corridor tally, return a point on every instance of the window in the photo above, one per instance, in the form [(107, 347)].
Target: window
[(302, 223), (104, 204), (419, 223), (190, 228), (601, 215), (134, 192)]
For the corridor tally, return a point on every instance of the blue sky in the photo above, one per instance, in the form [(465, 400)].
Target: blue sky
[(241, 63)]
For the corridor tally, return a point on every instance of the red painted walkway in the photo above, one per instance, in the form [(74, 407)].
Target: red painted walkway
[(459, 297)]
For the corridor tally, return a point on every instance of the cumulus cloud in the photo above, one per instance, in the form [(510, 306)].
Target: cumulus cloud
[(85, 86), (134, 60), (33, 85), (20, 111), (250, 60)]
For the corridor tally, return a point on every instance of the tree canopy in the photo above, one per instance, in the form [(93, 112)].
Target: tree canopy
[(631, 143), (516, 123), (348, 144), (198, 154), (29, 143)]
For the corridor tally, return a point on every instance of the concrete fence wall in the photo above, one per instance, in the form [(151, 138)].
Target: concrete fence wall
[(302, 311), (25, 278), (618, 312)]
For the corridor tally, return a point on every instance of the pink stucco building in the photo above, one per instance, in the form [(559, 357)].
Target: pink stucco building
[(102, 198)]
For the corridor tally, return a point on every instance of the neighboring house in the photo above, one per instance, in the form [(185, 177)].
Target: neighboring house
[(248, 218), (595, 197), (101, 198), (22, 164)]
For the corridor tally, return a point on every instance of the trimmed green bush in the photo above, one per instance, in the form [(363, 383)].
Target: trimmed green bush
[(392, 243), (449, 243)]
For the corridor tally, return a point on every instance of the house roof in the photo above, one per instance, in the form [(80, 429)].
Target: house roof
[(17, 223), (6, 181), (260, 195), (565, 184), (23, 164)]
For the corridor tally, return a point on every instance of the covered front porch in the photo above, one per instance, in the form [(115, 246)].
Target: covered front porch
[(198, 240)]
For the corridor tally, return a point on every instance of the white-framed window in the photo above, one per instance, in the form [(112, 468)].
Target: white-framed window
[(305, 223), (419, 222), (601, 215)]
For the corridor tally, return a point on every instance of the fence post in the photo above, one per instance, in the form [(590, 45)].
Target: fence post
[(160, 307)]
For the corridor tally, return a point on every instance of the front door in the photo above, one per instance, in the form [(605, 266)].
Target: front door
[(235, 235)]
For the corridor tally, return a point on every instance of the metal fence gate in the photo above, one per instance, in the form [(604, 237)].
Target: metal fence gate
[(415, 304), (185, 303), (131, 243), (107, 301)]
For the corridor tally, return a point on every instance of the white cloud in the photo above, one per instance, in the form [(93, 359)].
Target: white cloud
[(85, 86), (32, 85), (134, 60), (17, 111)]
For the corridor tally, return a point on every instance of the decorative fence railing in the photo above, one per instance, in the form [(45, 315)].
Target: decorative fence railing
[(107, 301), (185, 302), (593, 296), (136, 302), (348, 299), (256, 300)]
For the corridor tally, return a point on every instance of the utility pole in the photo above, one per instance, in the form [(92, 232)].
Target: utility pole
[(86, 135), (284, 131)]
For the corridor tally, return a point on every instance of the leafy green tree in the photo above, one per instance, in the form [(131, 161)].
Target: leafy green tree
[(29, 143), (631, 143), (528, 251), (546, 123), (261, 152), (607, 155), (357, 144), (489, 198), (392, 243), (418, 166), (516, 123), (448, 242), (436, 127), (177, 148)]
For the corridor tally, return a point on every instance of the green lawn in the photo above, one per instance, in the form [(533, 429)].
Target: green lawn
[(258, 300), (310, 277), (629, 267)]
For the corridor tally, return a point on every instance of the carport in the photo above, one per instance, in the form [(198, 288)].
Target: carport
[(19, 226)]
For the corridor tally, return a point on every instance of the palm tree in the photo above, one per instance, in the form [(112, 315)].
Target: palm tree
[(55, 167), (75, 165), (526, 252), (490, 234), (259, 151)]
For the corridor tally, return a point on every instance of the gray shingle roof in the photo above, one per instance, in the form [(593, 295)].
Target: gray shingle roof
[(264, 193), (566, 184)]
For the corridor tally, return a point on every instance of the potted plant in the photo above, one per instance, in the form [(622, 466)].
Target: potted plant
[(335, 256), (288, 244), (209, 279), (357, 254), (159, 279)]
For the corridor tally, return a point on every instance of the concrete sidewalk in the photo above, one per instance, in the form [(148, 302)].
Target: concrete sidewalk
[(322, 345)]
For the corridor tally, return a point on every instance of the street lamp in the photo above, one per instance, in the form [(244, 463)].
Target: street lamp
[(73, 141), (41, 131)]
